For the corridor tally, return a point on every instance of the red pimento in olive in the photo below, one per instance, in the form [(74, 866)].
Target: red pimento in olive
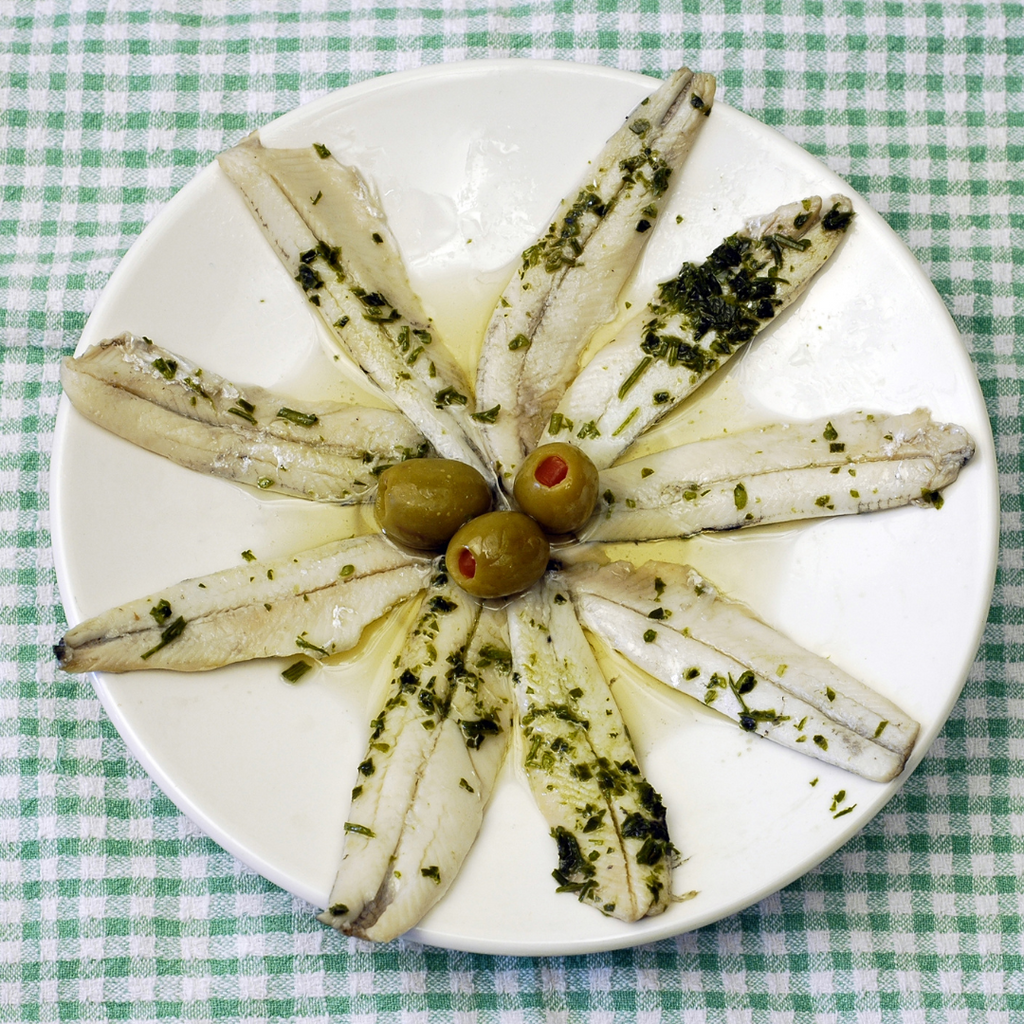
[(557, 486), (497, 554)]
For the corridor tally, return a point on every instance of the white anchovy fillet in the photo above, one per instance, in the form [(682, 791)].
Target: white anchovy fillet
[(614, 850), (694, 324), (855, 462), (358, 297), (568, 280), (165, 404), (314, 603), (674, 624), (434, 754)]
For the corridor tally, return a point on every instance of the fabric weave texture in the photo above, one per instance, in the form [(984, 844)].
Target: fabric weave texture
[(112, 904)]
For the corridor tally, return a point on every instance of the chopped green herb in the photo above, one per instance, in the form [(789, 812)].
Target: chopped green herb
[(307, 646), (491, 655), (836, 219), (433, 872), (346, 571), (321, 150), (626, 422), (800, 245), (300, 419), (649, 636), (248, 555), (161, 611), (264, 482), (739, 496), (293, 673), (242, 414), (165, 367), (634, 376), (487, 415), (172, 632), (360, 830), (449, 396)]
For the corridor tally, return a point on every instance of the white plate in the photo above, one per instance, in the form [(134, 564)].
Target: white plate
[(470, 160)]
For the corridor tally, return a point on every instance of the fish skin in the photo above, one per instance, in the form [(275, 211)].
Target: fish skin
[(672, 658), (427, 385), (337, 459), (625, 388), (420, 805), (559, 310), (858, 462), (314, 611), (455, 784), (608, 823), (483, 693), (683, 600)]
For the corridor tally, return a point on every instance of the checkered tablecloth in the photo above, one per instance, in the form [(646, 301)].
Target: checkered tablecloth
[(112, 905)]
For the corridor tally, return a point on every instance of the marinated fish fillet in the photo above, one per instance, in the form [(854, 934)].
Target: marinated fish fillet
[(359, 299), (167, 405), (315, 603), (855, 462), (433, 757), (694, 324), (674, 624), (569, 279), (608, 823)]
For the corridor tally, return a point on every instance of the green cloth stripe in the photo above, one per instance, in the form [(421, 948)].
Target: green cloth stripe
[(112, 905)]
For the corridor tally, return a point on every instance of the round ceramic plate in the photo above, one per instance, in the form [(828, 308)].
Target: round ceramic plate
[(470, 161)]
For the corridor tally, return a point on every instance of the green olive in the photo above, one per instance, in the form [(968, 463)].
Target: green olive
[(557, 485), (422, 502), (497, 554)]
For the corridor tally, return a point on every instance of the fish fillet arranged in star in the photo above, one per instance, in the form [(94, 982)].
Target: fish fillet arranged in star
[(567, 282), (433, 757), (673, 623), (843, 465), (166, 404), (608, 823), (315, 603), (694, 324), (325, 224)]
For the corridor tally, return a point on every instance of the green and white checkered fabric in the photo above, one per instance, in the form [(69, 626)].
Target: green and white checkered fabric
[(112, 905)]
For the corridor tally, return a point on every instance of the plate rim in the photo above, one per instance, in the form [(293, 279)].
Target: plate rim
[(654, 928)]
